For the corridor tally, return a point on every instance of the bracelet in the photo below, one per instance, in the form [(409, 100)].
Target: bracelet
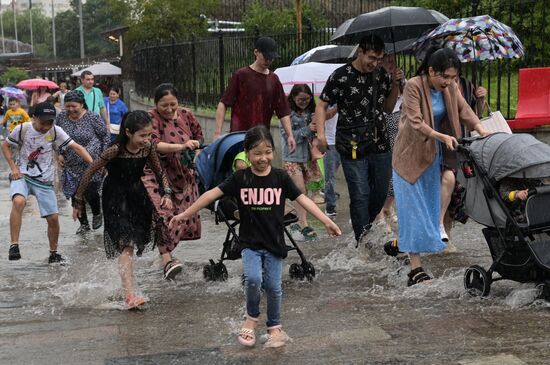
[(168, 191)]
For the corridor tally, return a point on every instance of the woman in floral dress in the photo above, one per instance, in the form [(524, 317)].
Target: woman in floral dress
[(176, 132)]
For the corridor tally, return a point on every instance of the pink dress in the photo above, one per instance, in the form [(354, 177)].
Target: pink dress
[(182, 180)]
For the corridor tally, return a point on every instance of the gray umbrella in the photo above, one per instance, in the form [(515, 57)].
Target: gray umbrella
[(398, 26)]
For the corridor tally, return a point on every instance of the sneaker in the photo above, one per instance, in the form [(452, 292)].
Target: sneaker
[(172, 269), (97, 221), (55, 258), (83, 229), (443, 234), (14, 253), (330, 212)]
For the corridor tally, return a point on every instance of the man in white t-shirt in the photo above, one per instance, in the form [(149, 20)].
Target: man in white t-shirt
[(33, 173), (331, 160)]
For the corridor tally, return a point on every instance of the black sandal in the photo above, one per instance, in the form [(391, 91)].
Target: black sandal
[(171, 269), (417, 276), (391, 248)]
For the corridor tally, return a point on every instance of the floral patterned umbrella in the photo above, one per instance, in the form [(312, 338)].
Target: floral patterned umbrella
[(12, 92), (477, 38)]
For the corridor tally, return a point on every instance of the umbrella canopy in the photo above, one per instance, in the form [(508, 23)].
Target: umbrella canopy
[(330, 53), (398, 26), (502, 155), (512, 155), (34, 84), (12, 92), (314, 74), (473, 39), (215, 162), (101, 69)]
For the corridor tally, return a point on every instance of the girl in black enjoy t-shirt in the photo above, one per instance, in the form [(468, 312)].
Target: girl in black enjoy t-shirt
[(261, 191)]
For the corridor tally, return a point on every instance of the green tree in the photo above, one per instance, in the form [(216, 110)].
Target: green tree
[(13, 75), (42, 30), (258, 18), (164, 19)]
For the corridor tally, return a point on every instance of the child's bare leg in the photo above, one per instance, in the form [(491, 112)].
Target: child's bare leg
[(126, 270), (447, 187), (298, 179), (16, 217), (53, 230)]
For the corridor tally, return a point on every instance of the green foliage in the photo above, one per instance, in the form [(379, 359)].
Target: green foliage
[(13, 75), (269, 21), (162, 20), (41, 25)]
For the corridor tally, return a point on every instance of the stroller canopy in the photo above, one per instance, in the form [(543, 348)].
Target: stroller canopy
[(215, 162), (512, 155)]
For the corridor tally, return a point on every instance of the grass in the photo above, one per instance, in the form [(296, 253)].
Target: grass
[(504, 87)]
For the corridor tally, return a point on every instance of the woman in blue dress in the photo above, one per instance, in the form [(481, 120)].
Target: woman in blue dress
[(423, 155), (115, 109)]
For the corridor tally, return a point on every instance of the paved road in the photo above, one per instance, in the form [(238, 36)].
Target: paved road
[(358, 309)]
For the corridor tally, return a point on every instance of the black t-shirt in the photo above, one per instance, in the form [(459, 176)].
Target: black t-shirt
[(261, 201), (353, 92)]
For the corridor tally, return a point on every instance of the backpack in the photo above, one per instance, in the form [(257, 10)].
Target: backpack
[(52, 133)]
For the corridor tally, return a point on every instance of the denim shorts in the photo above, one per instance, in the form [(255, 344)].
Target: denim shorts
[(44, 194)]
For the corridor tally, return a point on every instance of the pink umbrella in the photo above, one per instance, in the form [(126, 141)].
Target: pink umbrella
[(34, 84)]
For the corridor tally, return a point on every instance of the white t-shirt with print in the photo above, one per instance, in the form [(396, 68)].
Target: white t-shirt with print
[(35, 157)]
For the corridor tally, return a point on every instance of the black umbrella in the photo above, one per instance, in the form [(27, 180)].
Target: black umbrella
[(398, 26)]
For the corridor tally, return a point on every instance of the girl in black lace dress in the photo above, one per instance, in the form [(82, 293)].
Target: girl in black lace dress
[(126, 205)]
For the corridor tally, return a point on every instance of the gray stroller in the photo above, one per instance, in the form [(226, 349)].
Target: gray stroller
[(520, 249)]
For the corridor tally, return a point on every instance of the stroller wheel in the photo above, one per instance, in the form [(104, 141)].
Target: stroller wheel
[(543, 290), (477, 281), (296, 272), (309, 270), (220, 271), (208, 272)]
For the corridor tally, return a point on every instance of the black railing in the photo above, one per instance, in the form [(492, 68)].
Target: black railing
[(335, 11), (201, 68)]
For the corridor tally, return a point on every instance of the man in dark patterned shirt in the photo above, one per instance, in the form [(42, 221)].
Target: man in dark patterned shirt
[(362, 91)]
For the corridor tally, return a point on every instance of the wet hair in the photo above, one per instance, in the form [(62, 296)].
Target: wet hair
[(85, 73), (165, 89), (132, 121), (115, 89), (301, 88), (257, 135), (439, 59), (372, 42), (75, 96)]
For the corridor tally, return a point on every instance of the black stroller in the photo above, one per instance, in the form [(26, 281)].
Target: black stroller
[(213, 165), (520, 248)]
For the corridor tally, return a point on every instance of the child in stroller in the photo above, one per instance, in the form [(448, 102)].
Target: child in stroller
[(502, 174), (215, 163), (514, 192)]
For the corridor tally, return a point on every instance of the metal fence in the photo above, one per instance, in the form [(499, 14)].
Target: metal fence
[(200, 69), (335, 11)]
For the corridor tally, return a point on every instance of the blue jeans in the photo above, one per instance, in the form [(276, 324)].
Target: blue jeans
[(263, 269), (332, 162), (368, 180)]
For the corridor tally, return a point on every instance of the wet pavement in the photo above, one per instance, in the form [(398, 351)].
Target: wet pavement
[(357, 310)]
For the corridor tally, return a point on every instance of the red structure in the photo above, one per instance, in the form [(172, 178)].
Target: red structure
[(533, 99)]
